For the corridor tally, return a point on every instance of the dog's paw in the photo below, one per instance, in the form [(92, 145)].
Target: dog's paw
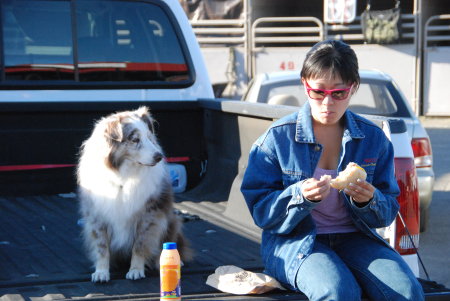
[(135, 274), (100, 276)]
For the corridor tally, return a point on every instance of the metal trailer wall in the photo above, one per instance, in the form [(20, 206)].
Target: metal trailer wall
[(281, 43), (277, 37), (226, 67), (436, 66)]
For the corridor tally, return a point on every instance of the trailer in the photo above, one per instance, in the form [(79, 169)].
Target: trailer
[(269, 36)]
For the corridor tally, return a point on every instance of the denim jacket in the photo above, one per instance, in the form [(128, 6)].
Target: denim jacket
[(286, 155)]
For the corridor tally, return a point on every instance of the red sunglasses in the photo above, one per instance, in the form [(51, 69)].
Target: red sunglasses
[(320, 94)]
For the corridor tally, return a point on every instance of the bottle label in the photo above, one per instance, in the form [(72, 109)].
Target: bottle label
[(170, 282)]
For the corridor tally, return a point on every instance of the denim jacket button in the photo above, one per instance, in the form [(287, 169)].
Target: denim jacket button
[(317, 148), (373, 204)]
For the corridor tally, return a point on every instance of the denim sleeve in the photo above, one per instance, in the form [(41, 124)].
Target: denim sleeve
[(383, 208), (274, 207)]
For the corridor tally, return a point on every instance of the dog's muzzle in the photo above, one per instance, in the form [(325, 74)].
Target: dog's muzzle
[(157, 157)]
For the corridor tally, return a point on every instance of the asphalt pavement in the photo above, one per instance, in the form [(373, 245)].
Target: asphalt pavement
[(435, 241)]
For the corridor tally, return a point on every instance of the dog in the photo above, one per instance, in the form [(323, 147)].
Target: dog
[(125, 195)]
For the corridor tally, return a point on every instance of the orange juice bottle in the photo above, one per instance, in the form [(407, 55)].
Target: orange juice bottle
[(170, 274)]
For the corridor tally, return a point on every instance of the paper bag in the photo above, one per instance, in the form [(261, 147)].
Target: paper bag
[(234, 280)]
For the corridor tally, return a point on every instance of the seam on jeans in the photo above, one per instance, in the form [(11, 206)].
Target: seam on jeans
[(376, 283), (298, 270)]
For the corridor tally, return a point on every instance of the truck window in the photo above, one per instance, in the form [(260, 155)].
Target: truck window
[(90, 41), (374, 98), (37, 41)]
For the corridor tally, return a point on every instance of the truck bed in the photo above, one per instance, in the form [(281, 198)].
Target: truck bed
[(43, 258)]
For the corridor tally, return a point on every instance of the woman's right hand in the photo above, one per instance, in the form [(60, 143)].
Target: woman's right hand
[(316, 190)]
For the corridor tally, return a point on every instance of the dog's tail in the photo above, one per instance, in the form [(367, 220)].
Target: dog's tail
[(183, 245), (175, 233)]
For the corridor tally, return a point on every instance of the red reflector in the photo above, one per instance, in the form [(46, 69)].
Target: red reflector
[(405, 173), (33, 167), (177, 159)]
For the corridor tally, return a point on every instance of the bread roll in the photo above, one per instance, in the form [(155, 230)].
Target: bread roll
[(349, 175)]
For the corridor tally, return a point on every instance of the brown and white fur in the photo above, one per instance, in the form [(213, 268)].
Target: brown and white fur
[(125, 195)]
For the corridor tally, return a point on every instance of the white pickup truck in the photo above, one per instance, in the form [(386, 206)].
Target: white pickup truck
[(65, 64)]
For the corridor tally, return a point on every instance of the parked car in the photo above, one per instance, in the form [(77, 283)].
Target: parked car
[(377, 95)]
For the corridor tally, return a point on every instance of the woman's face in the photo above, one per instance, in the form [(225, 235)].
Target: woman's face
[(331, 108)]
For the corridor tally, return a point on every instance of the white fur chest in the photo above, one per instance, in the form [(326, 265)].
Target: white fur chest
[(120, 201)]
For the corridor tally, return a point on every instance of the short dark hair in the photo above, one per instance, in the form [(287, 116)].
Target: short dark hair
[(331, 56)]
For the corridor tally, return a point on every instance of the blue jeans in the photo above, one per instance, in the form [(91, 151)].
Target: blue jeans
[(342, 266)]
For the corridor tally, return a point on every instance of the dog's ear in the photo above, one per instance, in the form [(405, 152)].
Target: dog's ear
[(113, 130), (113, 136), (144, 114)]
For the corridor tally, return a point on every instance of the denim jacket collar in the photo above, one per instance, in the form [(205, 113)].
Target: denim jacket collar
[(304, 131)]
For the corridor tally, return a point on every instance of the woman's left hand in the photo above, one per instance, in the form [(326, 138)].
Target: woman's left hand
[(361, 191)]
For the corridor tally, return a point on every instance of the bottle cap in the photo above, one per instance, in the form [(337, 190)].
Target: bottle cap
[(169, 245)]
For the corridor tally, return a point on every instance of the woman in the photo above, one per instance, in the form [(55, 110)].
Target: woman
[(316, 239)]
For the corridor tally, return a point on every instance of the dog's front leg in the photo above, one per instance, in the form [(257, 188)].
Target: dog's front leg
[(137, 266), (146, 245), (101, 254)]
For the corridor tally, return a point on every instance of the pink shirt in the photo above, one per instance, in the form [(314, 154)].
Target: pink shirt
[(331, 215)]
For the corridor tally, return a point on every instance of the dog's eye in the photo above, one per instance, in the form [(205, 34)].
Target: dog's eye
[(135, 140)]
